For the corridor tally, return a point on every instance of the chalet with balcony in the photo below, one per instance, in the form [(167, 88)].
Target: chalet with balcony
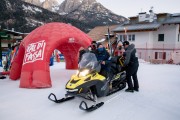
[(156, 36)]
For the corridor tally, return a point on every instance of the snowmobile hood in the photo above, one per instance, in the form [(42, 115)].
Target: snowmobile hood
[(77, 81)]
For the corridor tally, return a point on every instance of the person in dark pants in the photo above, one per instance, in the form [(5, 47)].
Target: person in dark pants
[(131, 64)]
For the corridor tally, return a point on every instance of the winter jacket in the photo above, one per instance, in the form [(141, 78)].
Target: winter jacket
[(130, 56), (103, 56)]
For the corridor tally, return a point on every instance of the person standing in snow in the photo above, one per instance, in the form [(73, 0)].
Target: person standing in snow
[(131, 64)]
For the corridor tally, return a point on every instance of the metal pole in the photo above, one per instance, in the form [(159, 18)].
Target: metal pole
[(109, 42)]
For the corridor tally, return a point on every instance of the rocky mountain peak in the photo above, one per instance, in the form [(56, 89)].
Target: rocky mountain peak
[(71, 5), (89, 10), (49, 4), (35, 2)]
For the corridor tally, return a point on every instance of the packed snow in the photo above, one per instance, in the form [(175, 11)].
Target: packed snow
[(158, 98), (32, 9)]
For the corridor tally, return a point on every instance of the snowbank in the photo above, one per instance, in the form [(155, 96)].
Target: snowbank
[(158, 99)]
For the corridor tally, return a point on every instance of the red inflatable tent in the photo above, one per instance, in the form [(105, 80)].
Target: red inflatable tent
[(31, 64)]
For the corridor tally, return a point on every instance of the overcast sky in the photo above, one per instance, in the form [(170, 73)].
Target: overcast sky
[(129, 8)]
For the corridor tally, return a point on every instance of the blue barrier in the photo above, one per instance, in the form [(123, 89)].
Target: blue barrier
[(61, 56), (51, 61)]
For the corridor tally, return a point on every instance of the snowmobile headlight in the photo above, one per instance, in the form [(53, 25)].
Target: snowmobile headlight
[(83, 73), (74, 90)]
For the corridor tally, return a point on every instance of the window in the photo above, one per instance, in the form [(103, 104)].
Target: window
[(160, 55), (9, 46), (161, 37), (120, 37), (131, 37)]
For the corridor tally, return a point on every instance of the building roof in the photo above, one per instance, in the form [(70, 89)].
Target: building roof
[(171, 19), (147, 26), (99, 32), (15, 32)]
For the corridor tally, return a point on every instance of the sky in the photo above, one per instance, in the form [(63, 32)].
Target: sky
[(129, 8)]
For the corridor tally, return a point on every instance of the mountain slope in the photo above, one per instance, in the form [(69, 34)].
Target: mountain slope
[(25, 17), (89, 11)]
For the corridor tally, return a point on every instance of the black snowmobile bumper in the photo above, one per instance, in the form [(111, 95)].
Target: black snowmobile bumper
[(54, 99), (83, 106)]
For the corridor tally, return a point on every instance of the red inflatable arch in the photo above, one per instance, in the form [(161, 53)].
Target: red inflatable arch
[(31, 64)]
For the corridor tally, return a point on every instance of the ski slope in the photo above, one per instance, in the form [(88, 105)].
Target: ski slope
[(158, 98)]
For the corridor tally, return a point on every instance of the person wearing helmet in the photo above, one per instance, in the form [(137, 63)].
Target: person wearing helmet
[(131, 64)]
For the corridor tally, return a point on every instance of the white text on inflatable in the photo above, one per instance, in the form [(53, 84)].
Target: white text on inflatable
[(34, 52)]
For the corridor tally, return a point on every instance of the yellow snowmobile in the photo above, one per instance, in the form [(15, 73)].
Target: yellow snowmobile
[(89, 84)]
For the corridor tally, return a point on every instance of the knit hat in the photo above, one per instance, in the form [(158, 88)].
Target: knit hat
[(125, 43), (98, 45), (93, 42)]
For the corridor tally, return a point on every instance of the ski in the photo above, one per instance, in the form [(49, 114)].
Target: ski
[(60, 100), (2, 77), (83, 106)]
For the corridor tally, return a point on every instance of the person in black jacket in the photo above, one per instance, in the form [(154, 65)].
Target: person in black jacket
[(103, 56), (131, 64)]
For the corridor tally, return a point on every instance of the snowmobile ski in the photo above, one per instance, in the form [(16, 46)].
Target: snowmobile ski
[(83, 106), (3, 77), (60, 100)]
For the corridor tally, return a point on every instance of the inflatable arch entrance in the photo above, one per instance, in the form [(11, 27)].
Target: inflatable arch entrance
[(31, 64)]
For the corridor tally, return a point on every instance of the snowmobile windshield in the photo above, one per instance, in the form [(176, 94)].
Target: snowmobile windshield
[(89, 61)]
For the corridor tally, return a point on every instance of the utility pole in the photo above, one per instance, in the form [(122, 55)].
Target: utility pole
[(109, 41)]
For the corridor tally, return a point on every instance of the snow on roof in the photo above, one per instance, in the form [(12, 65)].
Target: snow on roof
[(12, 31), (147, 26), (102, 40)]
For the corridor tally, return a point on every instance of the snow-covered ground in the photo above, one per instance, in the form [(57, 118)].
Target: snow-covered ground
[(158, 98)]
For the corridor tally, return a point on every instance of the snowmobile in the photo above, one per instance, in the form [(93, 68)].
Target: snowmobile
[(89, 84)]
